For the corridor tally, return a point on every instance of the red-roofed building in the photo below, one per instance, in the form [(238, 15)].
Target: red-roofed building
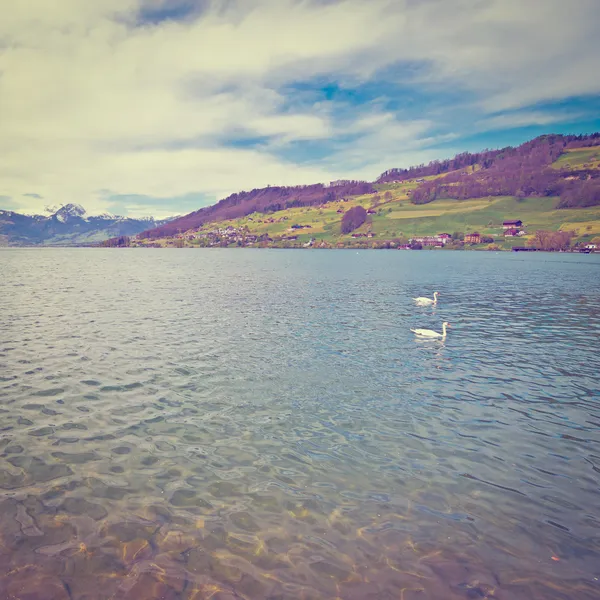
[(511, 232), (512, 224)]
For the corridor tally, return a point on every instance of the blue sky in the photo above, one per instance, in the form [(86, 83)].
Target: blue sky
[(153, 107)]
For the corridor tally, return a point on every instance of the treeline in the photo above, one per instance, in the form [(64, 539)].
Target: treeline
[(121, 241), (270, 199), (579, 192), (522, 172), (438, 167), (488, 158)]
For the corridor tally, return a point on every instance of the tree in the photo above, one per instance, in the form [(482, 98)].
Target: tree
[(353, 219), (486, 239), (458, 235), (580, 194), (117, 242), (552, 240)]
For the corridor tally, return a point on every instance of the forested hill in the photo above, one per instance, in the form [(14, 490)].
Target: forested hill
[(547, 166), (540, 152), (268, 199), (532, 169)]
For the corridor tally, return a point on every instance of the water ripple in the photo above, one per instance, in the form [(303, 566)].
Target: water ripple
[(242, 424)]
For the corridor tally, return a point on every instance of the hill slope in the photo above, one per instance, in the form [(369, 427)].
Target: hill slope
[(551, 182), (392, 223), (68, 225), (264, 200)]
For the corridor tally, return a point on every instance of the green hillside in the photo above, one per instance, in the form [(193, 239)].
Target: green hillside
[(397, 218), (579, 158), (393, 217)]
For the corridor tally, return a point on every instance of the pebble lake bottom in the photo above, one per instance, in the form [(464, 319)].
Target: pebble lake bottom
[(261, 424)]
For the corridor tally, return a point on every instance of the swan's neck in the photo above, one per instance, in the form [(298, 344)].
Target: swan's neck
[(435, 295), (444, 330)]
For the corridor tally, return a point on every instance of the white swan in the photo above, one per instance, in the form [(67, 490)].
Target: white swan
[(422, 301), (429, 333)]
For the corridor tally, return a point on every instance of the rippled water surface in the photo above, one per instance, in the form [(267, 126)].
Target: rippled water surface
[(255, 424)]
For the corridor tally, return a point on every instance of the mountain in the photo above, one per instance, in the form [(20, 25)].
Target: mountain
[(71, 213), (67, 225), (551, 183)]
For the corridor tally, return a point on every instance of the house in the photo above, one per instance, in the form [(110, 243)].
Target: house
[(512, 224), (591, 246), (427, 240), (472, 238), (432, 240), (511, 232)]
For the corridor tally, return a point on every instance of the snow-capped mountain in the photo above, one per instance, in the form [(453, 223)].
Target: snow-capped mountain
[(108, 216), (68, 225), (68, 212)]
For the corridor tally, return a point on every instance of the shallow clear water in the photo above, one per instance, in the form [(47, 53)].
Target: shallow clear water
[(262, 424)]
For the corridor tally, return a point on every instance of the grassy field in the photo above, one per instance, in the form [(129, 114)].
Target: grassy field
[(398, 218), (579, 158)]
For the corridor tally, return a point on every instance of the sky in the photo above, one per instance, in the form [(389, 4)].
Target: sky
[(160, 107)]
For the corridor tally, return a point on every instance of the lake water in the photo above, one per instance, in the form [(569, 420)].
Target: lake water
[(262, 424)]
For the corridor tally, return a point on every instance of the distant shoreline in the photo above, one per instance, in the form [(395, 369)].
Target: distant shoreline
[(425, 250)]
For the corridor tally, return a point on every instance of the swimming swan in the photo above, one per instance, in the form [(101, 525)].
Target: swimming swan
[(422, 301), (429, 333)]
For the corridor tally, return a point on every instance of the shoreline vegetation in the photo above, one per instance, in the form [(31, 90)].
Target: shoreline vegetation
[(542, 195), (542, 241)]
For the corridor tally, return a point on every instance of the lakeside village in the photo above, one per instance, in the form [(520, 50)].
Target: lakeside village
[(242, 237), (227, 236)]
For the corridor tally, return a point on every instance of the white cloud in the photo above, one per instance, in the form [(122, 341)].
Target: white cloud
[(511, 53), (83, 95), (524, 119), (385, 140), (91, 99)]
